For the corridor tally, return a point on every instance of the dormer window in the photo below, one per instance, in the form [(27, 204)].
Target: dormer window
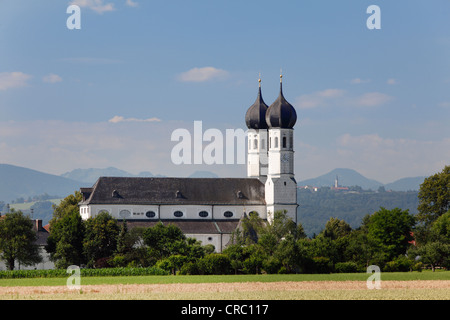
[(240, 195), (178, 194)]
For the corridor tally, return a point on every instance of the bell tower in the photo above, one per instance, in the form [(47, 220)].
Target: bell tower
[(280, 186), (255, 119)]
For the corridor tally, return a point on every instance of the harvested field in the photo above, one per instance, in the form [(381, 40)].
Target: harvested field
[(390, 290)]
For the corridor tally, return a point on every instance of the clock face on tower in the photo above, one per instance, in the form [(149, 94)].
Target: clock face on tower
[(285, 158)]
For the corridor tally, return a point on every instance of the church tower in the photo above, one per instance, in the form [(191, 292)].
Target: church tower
[(255, 118), (280, 185)]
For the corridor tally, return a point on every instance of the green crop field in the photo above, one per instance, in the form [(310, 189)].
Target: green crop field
[(388, 276)]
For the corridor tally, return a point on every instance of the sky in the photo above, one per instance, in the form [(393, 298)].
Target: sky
[(112, 93)]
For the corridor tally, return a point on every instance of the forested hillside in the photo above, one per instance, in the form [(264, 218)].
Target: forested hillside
[(317, 207)]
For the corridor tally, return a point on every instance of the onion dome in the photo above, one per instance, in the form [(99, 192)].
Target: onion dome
[(281, 114), (255, 118)]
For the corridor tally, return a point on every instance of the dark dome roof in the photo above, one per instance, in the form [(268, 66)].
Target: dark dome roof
[(281, 114), (255, 118)]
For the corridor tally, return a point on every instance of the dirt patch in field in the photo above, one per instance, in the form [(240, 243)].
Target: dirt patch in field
[(211, 288)]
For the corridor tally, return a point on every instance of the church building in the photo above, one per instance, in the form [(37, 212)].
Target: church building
[(209, 209)]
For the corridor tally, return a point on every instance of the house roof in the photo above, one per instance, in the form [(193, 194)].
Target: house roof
[(175, 191)]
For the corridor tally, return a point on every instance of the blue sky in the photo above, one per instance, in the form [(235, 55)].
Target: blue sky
[(110, 94)]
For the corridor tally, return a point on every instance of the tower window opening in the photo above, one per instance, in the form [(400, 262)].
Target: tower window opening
[(284, 142), (276, 142), (263, 144), (255, 143)]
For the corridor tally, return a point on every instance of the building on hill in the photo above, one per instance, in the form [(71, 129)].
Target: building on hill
[(209, 209)]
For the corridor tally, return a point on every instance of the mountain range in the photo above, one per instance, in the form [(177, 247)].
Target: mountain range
[(350, 177), (16, 182)]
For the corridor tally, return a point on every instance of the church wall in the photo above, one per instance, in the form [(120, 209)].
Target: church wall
[(165, 212)]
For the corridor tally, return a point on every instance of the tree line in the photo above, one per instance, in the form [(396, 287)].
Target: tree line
[(394, 240)]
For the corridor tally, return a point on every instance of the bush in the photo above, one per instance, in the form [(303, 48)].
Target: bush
[(271, 265), (322, 265), (399, 264), (61, 273), (189, 268), (214, 263), (346, 267)]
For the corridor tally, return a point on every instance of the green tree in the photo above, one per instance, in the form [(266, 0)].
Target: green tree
[(17, 240), (67, 206), (391, 231), (101, 237), (164, 241), (434, 196), (434, 250), (65, 243), (434, 253), (336, 228)]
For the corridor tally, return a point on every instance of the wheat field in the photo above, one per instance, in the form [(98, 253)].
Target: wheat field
[(283, 290)]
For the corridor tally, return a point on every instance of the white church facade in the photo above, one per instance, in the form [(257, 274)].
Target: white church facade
[(209, 209)]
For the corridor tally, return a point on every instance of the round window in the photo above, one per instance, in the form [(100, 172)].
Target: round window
[(228, 214), (178, 214), (150, 214), (203, 214), (124, 213)]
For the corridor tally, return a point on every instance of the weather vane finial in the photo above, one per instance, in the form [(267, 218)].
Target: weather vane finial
[(281, 75), (259, 80)]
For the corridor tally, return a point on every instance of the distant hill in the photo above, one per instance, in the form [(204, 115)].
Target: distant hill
[(16, 182), (316, 208), (350, 177), (91, 175), (405, 184), (346, 177), (203, 174)]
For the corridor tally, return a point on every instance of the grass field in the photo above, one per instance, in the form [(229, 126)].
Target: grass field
[(405, 286)]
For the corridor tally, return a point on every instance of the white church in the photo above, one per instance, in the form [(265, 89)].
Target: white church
[(209, 209)]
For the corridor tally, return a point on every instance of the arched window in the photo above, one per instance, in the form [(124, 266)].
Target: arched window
[(178, 214), (263, 144), (284, 142), (255, 143), (276, 142), (203, 214)]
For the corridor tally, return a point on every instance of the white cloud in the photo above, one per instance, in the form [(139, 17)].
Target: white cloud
[(95, 5), (371, 99), (329, 97), (131, 3), (9, 80), (91, 60), (359, 81), (202, 74), (52, 78), (317, 99), (391, 81), (444, 104), (117, 119)]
